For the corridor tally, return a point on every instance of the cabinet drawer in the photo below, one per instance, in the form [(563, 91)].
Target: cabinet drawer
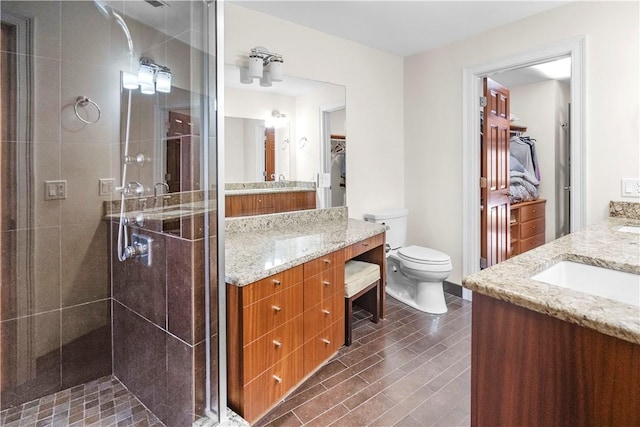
[(267, 389), (270, 285), (529, 212), (532, 242), (324, 263), (322, 346), (271, 348), (323, 285), (271, 312), (321, 316), (364, 246), (532, 228)]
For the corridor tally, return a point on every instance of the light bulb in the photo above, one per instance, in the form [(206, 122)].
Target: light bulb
[(255, 66), (145, 75), (266, 79), (148, 89), (163, 81), (129, 81), (275, 68), (244, 76)]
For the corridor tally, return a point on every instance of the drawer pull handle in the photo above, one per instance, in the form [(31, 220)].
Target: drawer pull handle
[(327, 261), (276, 282), (326, 312), (276, 308), (326, 282), (326, 341), (365, 244), (277, 343), (277, 378)]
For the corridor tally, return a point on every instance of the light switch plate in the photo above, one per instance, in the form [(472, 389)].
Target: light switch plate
[(106, 186), (630, 187), (324, 180), (55, 190)]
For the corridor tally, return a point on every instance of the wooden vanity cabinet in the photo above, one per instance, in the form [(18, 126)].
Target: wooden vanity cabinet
[(249, 204), (265, 203), (280, 329), (323, 309), (527, 226), (264, 332)]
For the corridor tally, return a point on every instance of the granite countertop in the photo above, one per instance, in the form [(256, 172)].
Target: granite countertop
[(601, 245), (267, 190), (168, 212), (260, 246)]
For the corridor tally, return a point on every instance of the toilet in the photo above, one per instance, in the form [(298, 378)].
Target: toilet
[(414, 273)]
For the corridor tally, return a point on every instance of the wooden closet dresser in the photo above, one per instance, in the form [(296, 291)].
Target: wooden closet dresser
[(527, 226)]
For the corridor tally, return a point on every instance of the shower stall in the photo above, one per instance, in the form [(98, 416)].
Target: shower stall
[(108, 213)]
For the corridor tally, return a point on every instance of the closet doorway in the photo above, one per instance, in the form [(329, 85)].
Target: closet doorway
[(527, 164), (472, 91)]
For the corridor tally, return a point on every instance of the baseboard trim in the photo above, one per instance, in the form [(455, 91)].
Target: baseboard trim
[(452, 288)]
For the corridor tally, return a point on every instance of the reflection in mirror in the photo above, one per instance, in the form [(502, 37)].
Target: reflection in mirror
[(164, 141), (256, 152), (298, 148)]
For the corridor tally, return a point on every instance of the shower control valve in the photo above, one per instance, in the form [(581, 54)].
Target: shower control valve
[(136, 221)]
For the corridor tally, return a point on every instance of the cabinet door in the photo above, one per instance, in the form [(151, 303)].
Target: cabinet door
[(322, 346), (267, 389), (271, 348), (322, 315), (269, 313), (303, 200)]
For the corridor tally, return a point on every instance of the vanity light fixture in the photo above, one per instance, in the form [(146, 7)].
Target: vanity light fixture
[(151, 78), (263, 65)]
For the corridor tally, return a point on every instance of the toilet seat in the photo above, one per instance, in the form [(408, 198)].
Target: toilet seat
[(422, 255)]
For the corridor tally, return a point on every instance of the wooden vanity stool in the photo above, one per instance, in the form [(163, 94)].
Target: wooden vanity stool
[(361, 282)]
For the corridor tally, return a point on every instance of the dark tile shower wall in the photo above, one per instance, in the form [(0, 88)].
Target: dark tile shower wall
[(158, 324)]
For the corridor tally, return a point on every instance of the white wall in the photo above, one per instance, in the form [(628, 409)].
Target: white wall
[(374, 88), (433, 113), (542, 108)]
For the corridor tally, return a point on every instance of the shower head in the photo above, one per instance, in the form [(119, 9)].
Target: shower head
[(108, 12)]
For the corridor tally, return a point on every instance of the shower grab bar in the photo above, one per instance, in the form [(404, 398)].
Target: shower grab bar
[(83, 101)]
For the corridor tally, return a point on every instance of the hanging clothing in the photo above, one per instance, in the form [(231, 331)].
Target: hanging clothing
[(521, 150)]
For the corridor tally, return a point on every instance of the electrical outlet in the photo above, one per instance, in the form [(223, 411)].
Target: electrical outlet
[(106, 186), (55, 190), (630, 187)]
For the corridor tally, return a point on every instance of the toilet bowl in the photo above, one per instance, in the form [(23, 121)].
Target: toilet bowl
[(415, 274)]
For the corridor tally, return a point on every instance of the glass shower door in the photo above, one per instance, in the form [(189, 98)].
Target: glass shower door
[(107, 215)]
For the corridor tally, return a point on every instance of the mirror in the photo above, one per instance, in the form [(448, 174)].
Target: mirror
[(164, 140), (296, 113)]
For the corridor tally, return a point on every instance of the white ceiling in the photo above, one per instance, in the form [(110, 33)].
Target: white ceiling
[(402, 28)]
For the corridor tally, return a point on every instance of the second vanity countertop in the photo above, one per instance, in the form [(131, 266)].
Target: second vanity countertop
[(258, 247), (267, 190), (601, 245)]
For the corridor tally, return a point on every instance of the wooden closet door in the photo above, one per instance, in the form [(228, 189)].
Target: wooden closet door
[(495, 171), (270, 154)]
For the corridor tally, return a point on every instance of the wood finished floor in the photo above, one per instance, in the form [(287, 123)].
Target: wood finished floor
[(411, 369)]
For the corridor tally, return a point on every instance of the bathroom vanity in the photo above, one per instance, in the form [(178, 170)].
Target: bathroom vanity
[(285, 299), (545, 354), (259, 198)]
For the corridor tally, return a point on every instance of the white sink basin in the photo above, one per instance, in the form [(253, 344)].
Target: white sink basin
[(612, 284), (630, 229)]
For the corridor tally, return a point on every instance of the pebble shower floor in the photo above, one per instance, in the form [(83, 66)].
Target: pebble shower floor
[(103, 402)]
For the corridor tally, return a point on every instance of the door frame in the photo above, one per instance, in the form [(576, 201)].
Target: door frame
[(471, 92), (324, 194)]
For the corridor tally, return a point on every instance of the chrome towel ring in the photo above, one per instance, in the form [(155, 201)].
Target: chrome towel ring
[(83, 101)]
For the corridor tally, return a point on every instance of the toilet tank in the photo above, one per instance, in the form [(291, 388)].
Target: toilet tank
[(396, 222)]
